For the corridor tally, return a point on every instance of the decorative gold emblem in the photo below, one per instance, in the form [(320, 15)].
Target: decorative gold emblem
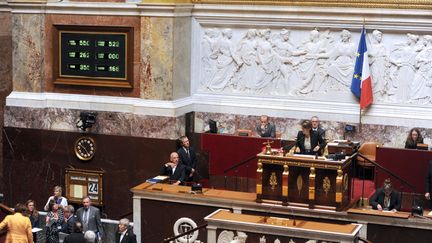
[(326, 185), (299, 183), (273, 180), (268, 150), (345, 182)]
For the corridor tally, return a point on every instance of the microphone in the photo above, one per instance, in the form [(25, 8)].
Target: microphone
[(294, 220), (267, 216)]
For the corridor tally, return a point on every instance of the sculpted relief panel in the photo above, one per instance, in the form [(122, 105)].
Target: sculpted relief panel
[(315, 63)]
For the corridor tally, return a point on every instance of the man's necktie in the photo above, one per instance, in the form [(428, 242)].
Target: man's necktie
[(187, 152), (85, 219)]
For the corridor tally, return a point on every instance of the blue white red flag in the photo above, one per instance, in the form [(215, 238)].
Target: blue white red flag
[(361, 85)]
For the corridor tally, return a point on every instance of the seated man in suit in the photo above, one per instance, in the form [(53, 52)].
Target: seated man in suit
[(175, 170), (386, 198), (265, 129), (187, 157)]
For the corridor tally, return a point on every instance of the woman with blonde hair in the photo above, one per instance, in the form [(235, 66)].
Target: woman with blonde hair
[(57, 197)]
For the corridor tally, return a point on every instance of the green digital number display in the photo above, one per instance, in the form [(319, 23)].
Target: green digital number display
[(73, 66), (114, 43), (84, 67), (84, 42), (81, 55), (100, 43), (110, 56), (94, 55), (106, 68), (72, 42)]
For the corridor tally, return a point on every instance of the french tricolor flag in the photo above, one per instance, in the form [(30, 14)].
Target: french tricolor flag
[(361, 85)]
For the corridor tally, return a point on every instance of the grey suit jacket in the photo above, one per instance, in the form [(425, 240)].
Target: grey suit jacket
[(94, 220), (268, 132)]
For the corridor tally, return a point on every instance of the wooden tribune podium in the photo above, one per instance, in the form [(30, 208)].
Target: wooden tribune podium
[(222, 224), (302, 180)]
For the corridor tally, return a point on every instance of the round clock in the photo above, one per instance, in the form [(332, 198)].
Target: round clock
[(85, 148)]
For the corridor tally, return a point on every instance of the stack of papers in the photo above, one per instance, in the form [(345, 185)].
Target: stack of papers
[(158, 179)]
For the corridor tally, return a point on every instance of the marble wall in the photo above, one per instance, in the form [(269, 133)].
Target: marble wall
[(233, 63), (109, 123), (389, 136)]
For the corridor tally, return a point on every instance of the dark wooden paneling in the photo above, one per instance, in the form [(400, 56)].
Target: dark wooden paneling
[(159, 217), (390, 234), (35, 161)]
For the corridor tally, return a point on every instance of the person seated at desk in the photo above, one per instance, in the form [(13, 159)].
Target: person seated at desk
[(414, 138), (308, 141), (386, 198), (175, 170), (265, 129)]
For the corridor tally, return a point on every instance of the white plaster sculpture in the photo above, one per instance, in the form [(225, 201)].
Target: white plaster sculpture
[(342, 60), (312, 65), (403, 70), (246, 50), (379, 64), (226, 63), (421, 85)]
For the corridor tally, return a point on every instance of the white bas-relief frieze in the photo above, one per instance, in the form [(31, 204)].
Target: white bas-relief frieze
[(227, 236), (314, 64)]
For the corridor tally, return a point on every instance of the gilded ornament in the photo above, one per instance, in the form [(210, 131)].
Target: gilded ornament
[(299, 183), (273, 180), (345, 182), (326, 185)]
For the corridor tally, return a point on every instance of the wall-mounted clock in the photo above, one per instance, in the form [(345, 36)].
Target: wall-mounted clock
[(85, 148)]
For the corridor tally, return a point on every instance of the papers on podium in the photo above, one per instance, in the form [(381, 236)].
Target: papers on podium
[(158, 179), (36, 229)]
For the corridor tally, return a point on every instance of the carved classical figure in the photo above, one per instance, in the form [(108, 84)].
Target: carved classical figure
[(404, 58), (342, 62), (312, 69), (226, 63), (268, 61), (209, 47), (247, 78), (286, 51), (379, 64), (240, 238), (262, 239), (421, 85)]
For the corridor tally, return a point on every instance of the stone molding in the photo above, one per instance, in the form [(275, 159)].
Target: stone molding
[(228, 104)]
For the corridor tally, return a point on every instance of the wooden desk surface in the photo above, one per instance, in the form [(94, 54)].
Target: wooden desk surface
[(273, 221), (207, 192), (367, 211)]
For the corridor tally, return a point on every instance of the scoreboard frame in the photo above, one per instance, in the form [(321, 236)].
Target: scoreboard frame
[(92, 77)]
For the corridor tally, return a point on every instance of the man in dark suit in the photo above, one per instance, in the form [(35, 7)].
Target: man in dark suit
[(89, 216), (76, 236), (265, 129), (125, 234), (429, 184), (187, 157), (70, 219), (175, 170), (386, 198), (316, 127)]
